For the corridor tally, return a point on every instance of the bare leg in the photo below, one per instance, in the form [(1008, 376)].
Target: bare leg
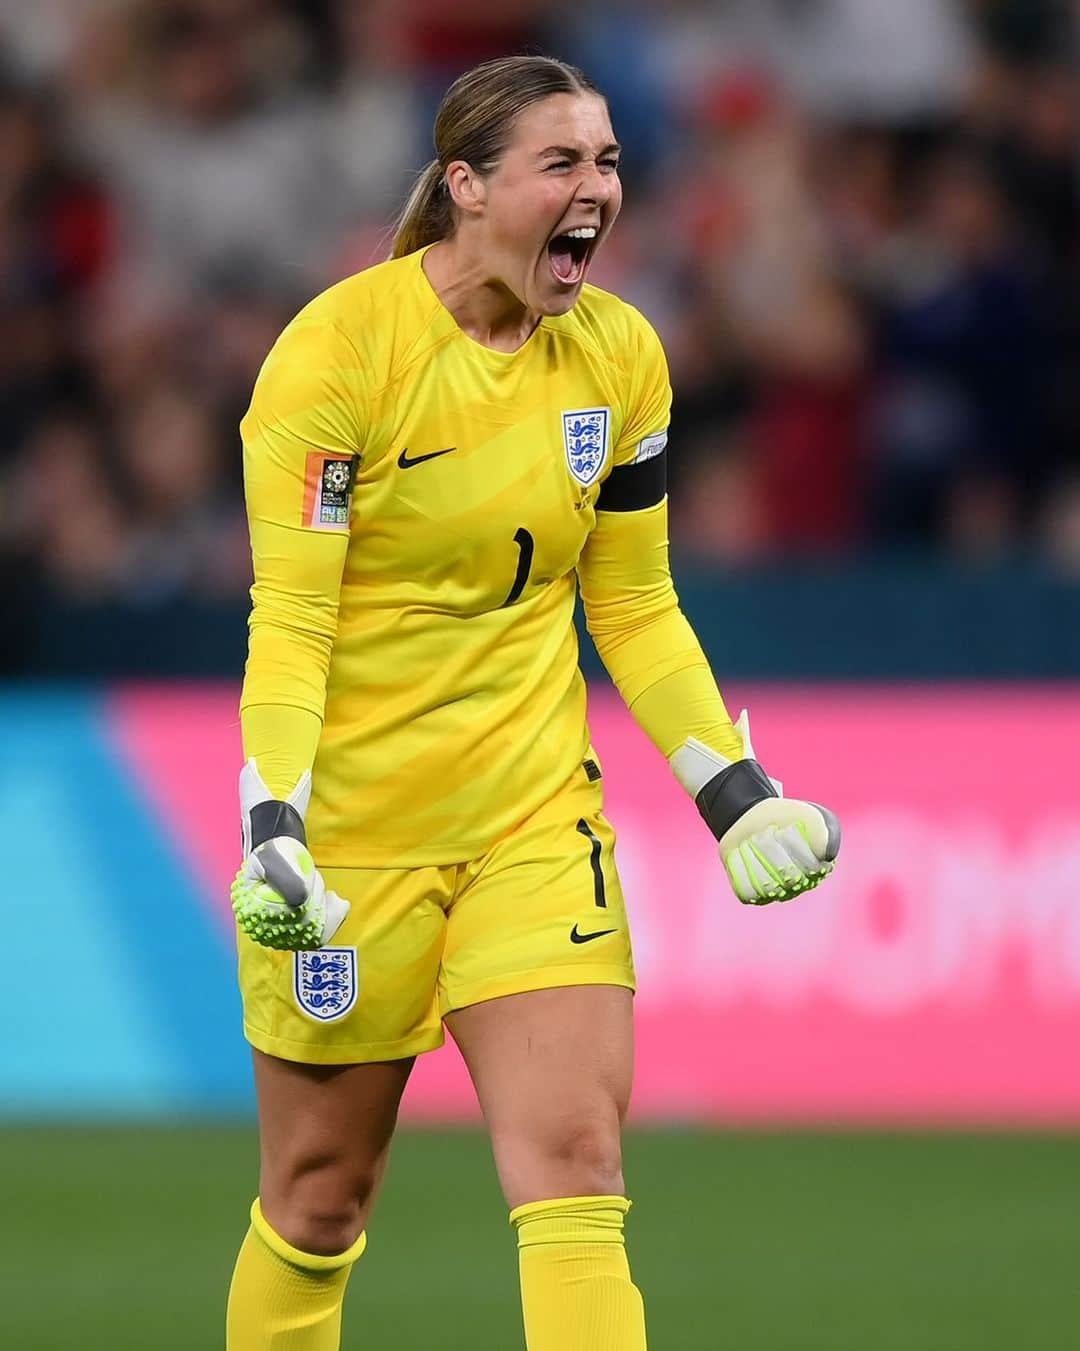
[(325, 1134), (552, 1069)]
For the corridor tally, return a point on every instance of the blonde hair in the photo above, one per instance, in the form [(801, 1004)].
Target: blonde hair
[(474, 123)]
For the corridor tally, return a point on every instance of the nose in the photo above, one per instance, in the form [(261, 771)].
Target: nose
[(595, 186)]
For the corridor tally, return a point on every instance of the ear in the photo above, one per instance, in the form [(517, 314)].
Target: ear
[(467, 189)]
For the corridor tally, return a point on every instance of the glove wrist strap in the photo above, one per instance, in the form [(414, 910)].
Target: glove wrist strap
[(730, 793), (271, 819)]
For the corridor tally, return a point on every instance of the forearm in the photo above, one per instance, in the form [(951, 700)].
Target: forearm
[(644, 639), (686, 703), (292, 629), (282, 740), (773, 849)]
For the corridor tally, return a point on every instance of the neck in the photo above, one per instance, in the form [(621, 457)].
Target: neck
[(483, 306)]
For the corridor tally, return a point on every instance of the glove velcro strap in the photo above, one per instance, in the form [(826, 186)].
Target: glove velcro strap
[(731, 792), (272, 819)]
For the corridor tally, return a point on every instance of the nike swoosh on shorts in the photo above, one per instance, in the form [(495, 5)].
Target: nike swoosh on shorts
[(576, 937)]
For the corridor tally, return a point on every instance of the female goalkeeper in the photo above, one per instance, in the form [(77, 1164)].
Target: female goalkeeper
[(438, 451)]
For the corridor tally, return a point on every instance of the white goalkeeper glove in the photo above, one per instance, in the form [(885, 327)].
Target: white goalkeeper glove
[(773, 848), (279, 896)]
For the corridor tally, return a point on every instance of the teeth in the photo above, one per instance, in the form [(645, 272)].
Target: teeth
[(585, 232)]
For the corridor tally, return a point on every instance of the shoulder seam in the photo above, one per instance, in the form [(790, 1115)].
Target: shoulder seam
[(409, 360), (583, 340), (331, 323), (416, 352)]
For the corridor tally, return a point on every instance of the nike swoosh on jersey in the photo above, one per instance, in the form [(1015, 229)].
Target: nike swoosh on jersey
[(405, 463), (576, 937)]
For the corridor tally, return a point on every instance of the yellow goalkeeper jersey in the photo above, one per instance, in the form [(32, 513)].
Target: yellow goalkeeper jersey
[(418, 505)]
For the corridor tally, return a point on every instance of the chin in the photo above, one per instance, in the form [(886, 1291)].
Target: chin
[(561, 304)]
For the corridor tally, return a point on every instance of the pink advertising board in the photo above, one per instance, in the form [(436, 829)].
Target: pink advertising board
[(934, 978)]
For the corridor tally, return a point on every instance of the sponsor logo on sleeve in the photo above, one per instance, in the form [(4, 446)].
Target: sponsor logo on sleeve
[(650, 446), (328, 483), (585, 435), (325, 982)]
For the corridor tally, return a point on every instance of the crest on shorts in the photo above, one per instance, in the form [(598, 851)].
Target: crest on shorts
[(585, 434), (325, 982)]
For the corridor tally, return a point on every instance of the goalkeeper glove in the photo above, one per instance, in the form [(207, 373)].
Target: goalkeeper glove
[(774, 848), (279, 897)]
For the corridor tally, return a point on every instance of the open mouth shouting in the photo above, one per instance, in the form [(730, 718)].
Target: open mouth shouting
[(569, 254)]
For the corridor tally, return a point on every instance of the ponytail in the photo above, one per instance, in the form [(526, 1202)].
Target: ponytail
[(426, 216), (474, 123)]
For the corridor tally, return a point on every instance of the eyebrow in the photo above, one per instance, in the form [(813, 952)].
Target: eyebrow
[(568, 152)]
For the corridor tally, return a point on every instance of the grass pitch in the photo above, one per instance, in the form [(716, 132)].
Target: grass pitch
[(123, 1238)]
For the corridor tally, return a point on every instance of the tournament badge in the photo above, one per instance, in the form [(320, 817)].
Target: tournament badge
[(328, 483), (585, 434), (325, 982)]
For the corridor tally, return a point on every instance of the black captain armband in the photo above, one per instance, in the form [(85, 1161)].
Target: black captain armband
[(632, 487), (269, 820), (731, 793)]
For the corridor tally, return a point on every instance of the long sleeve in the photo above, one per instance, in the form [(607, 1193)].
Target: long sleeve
[(631, 608), (644, 639), (301, 437)]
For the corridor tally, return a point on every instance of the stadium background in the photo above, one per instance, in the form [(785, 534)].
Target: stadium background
[(857, 226)]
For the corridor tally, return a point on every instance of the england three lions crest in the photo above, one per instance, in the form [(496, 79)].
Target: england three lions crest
[(585, 434), (325, 982)]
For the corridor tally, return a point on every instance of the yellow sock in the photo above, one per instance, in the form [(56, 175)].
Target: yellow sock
[(282, 1299), (576, 1291)]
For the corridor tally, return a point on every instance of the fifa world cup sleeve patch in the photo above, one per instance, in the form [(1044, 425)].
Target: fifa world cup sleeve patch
[(328, 484)]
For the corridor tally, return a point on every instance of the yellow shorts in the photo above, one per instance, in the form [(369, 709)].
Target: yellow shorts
[(542, 908)]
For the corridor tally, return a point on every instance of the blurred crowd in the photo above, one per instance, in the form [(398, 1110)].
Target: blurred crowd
[(856, 224)]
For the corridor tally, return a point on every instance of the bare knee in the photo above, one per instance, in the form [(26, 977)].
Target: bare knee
[(573, 1156), (590, 1151), (324, 1135), (318, 1204), (322, 1230)]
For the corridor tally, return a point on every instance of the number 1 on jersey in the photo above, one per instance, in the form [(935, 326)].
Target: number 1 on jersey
[(525, 544)]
